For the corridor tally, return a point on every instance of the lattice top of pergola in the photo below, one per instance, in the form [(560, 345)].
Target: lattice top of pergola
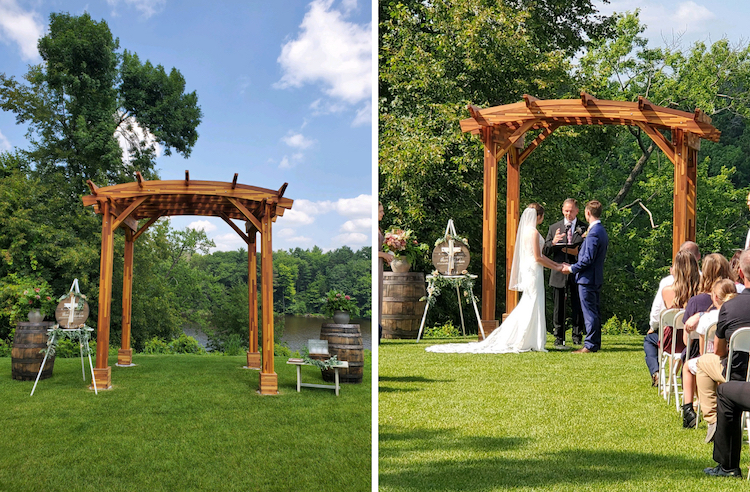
[(153, 199), (535, 114)]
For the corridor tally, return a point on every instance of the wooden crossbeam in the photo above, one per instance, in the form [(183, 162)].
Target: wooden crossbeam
[(659, 140), (92, 187), (115, 210), (187, 177), (530, 100), (139, 178), (245, 212), (282, 190), (587, 99), (148, 224), (700, 117), (234, 226), (123, 217), (644, 103), (234, 181), (474, 112)]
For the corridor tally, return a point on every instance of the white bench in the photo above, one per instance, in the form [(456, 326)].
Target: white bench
[(300, 362)]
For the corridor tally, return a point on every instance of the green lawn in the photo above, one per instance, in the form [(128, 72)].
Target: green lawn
[(533, 421), (183, 422)]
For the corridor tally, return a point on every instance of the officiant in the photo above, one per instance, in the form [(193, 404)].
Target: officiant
[(562, 244)]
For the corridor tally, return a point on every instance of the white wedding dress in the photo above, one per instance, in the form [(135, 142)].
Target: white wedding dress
[(525, 328)]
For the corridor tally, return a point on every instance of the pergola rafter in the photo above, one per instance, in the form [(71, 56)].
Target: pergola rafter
[(503, 129), (124, 205)]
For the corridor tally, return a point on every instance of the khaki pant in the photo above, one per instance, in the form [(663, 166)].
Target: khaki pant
[(708, 376)]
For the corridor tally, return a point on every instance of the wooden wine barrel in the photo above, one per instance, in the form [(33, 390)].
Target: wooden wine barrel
[(402, 308), (345, 342), (26, 356)]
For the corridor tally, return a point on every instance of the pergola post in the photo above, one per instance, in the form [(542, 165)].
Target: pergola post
[(489, 232), (103, 372), (686, 147), (512, 208), (268, 378), (125, 354), (253, 355)]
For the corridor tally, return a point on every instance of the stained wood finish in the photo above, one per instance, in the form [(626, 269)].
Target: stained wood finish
[(268, 381), (595, 112), (124, 357), (502, 129), (105, 289), (26, 356), (489, 226), (252, 295), (126, 204), (103, 377)]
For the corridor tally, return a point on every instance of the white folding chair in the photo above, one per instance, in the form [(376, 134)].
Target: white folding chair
[(666, 319), (708, 342), (740, 342), (676, 361)]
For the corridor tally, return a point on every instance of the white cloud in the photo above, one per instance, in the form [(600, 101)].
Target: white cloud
[(360, 206), (230, 241), (284, 164), (285, 232), (297, 140), (204, 225), (130, 135), (331, 51), (4, 143), (22, 28), (690, 13), (350, 239), (296, 216), (147, 8), (357, 225), (364, 115), (289, 162)]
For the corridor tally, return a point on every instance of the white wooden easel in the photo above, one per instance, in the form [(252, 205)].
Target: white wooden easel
[(451, 250), (82, 338)]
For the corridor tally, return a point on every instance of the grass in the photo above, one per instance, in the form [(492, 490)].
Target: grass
[(535, 421), (183, 422)]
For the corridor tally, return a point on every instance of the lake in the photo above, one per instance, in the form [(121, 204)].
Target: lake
[(298, 330)]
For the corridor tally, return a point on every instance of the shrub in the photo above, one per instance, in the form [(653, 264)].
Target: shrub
[(186, 345), (234, 345), (5, 348), (445, 331), (615, 326), (157, 346)]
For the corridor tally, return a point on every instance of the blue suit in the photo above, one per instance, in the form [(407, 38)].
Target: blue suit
[(589, 272)]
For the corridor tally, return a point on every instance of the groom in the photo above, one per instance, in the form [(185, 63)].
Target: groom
[(589, 272)]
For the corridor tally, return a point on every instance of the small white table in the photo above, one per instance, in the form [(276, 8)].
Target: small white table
[(300, 362)]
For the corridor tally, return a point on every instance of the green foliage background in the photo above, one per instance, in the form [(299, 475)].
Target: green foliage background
[(438, 57)]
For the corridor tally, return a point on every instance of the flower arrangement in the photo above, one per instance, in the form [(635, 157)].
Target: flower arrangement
[(335, 300), (403, 244), (455, 237)]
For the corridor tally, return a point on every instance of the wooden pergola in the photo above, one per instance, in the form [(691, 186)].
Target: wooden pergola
[(123, 205), (502, 129)]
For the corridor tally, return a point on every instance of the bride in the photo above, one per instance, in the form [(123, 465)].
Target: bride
[(525, 327)]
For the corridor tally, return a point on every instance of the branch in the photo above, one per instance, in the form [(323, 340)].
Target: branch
[(637, 169), (650, 215)]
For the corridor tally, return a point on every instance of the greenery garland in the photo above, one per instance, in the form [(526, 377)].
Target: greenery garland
[(320, 364), (455, 237), (440, 282), (82, 335)]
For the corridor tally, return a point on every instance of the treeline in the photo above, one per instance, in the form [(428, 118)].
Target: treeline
[(430, 171)]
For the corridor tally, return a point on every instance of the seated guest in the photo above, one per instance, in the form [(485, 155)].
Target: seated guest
[(651, 341), (722, 291), (734, 270), (710, 368), (734, 398)]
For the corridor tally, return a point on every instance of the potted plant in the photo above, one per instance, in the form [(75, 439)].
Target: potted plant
[(22, 297), (340, 306), (36, 297), (405, 248)]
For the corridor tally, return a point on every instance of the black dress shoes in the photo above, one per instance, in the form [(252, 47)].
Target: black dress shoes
[(719, 471)]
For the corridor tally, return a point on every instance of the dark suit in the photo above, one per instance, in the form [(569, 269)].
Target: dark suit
[(561, 283), (735, 314), (589, 272)]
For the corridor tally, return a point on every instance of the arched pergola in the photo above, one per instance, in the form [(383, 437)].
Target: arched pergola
[(123, 205), (502, 129)]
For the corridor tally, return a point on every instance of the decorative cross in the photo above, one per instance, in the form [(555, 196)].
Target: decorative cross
[(72, 305)]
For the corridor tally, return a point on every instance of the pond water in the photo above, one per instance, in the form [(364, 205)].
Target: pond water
[(298, 330)]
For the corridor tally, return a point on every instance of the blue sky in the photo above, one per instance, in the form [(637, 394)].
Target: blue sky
[(688, 21), (285, 89)]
